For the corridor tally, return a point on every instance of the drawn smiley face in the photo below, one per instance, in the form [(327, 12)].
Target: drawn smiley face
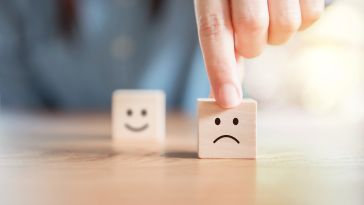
[(235, 121), (130, 113), (138, 115)]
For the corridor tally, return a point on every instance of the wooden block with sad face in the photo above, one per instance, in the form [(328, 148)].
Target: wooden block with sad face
[(138, 117), (226, 133)]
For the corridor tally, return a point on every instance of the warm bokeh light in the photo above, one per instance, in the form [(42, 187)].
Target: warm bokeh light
[(320, 70), (331, 74), (332, 67)]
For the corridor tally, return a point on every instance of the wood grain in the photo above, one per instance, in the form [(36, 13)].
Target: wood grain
[(68, 159)]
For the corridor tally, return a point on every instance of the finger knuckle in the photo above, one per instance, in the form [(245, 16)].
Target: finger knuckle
[(210, 25), (289, 25), (252, 24)]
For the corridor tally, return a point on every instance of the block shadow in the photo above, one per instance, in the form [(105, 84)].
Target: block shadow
[(181, 154)]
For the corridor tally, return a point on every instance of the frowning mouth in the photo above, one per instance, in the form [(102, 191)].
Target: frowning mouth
[(227, 136), (136, 129)]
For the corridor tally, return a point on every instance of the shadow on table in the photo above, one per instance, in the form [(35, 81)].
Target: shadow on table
[(181, 154)]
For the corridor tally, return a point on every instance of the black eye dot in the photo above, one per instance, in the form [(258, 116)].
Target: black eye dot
[(217, 121), (235, 121), (129, 112), (144, 112)]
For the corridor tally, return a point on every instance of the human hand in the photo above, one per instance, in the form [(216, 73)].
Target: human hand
[(230, 29)]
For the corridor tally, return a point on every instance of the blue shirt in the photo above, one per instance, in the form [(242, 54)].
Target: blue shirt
[(114, 44)]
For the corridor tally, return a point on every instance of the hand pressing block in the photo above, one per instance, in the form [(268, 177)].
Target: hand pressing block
[(226, 133), (138, 117)]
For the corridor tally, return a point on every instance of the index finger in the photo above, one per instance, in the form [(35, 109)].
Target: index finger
[(217, 42)]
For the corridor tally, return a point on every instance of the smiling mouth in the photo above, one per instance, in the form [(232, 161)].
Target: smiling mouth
[(227, 136), (136, 129)]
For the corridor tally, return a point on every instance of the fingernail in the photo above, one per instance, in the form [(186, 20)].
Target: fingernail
[(229, 96)]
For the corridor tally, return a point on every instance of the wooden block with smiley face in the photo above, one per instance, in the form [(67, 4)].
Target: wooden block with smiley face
[(226, 133), (138, 116)]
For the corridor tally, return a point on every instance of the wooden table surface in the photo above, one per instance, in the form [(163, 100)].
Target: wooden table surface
[(69, 159)]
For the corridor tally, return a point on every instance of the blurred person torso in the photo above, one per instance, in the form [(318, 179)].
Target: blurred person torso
[(71, 54)]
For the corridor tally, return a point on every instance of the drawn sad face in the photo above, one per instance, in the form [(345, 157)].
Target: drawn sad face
[(235, 122), (226, 133)]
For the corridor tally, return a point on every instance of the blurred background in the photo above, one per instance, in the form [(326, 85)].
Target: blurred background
[(319, 71), (70, 55)]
